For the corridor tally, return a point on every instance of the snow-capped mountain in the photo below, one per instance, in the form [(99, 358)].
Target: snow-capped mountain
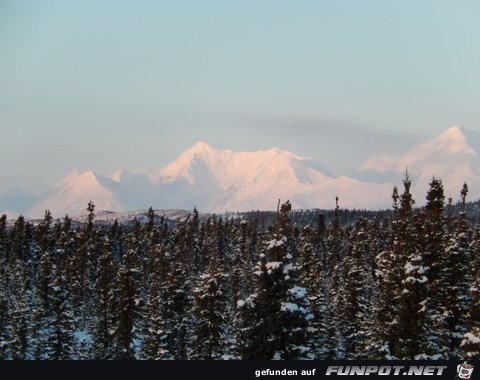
[(219, 180), (214, 180), (452, 156), (73, 193), (202, 161)]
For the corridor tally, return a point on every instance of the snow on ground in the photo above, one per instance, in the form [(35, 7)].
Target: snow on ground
[(469, 338), (127, 216)]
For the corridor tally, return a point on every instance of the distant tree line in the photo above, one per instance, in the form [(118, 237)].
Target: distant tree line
[(402, 286)]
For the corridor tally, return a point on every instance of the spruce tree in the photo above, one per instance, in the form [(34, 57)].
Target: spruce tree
[(389, 274), (434, 247), (4, 291), (412, 319), (60, 340), (154, 320), (312, 277), (335, 252), (458, 281), (106, 310), (3, 238), (21, 340), (277, 315), (470, 344), (357, 294), (128, 302), (81, 271), (241, 282), (176, 298), (209, 335), (43, 308)]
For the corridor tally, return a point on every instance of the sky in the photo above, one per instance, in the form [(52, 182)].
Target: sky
[(114, 84)]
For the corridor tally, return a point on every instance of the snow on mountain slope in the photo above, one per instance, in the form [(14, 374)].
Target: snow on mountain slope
[(221, 180), (216, 180), (448, 156), (212, 180), (201, 164), (72, 194)]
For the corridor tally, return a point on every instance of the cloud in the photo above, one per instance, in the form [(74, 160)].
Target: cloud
[(305, 125), (339, 143)]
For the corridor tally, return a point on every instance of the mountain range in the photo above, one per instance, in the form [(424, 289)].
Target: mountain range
[(219, 180)]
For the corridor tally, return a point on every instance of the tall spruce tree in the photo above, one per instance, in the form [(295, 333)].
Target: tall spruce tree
[(389, 274), (156, 325), (4, 291), (209, 335), (470, 344), (128, 302), (413, 331), (335, 252), (458, 279), (277, 315), (311, 274), (60, 339), (81, 271), (177, 299), (434, 247), (20, 345), (107, 307), (43, 307), (357, 293)]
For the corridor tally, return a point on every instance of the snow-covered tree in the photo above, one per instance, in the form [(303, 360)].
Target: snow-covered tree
[(433, 245), (335, 248), (457, 282), (127, 298), (311, 273), (20, 345), (209, 335), (470, 344), (389, 274), (60, 337), (277, 315), (176, 299), (357, 292), (106, 310)]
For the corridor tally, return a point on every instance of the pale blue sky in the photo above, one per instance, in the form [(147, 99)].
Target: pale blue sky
[(116, 84)]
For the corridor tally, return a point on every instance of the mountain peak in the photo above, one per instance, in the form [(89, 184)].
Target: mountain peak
[(73, 193), (452, 142), (76, 176), (200, 147), (88, 174), (277, 150), (455, 133), (77, 179), (219, 179)]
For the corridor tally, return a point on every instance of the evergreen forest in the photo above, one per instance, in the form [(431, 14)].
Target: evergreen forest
[(403, 284)]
